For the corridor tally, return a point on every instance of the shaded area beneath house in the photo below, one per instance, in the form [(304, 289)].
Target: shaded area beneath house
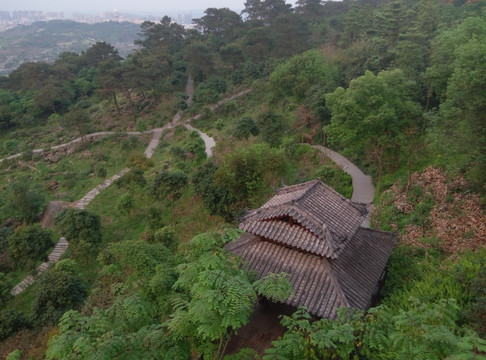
[(262, 328)]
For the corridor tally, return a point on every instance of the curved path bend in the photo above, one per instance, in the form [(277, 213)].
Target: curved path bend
[(62, 244), (363, 189)]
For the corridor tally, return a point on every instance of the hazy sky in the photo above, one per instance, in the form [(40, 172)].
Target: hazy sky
[(134, 6)]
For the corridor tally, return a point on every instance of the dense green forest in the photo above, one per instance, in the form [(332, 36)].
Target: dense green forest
[(399, 87)]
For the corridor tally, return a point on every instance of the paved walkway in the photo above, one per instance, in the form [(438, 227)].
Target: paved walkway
[(363, 189), (62, 244)]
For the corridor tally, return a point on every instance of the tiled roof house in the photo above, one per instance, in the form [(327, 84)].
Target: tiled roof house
[(314, 234)]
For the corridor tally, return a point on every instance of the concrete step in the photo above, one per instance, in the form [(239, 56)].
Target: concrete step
[(22, 286), (42, 267)]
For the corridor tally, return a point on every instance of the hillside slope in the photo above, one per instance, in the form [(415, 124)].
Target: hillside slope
[(44, 41)]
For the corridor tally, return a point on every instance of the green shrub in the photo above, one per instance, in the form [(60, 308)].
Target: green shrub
[(100, 171), (10, 146), (245, 127), (167, 236), (337, 179), (81, 227), (11, 321), (141, 125), (57, 291), (28, 244)]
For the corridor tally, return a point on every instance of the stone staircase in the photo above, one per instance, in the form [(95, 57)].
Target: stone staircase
[(85, 200), (53, 257)]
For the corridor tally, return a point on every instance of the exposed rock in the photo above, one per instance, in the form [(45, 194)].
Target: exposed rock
[(50, 212)]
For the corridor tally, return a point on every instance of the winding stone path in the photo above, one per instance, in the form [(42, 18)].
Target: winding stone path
[(77, 140), (208, 140), (62, 244), (53, 257), (363, 189)]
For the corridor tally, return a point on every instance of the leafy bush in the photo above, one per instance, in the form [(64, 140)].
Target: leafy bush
[(217, 199), (245, 127), (424, 331), (249, 172), (195, 144), (168, 185), (338, 180), (139, 161), (57, 291), (100, 171), (126, 330), (167, 237), (10, 146), (82, 229), (131, 179), (139, 257), (272, 127), (28, 244), (124, 204), (23, 199), (11, 321)]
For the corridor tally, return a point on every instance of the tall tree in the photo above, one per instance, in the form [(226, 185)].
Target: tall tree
[(166, 36), (22, 199), (100, 52), (221, 23), (200, 60), (77, 119), (461, 114), (81, 228), (370, 117), (258, 43), (302, 73), (169, 186), (265, 11), (291, 35), (309, 9), (109, 80), (58, 290), (231, 54)]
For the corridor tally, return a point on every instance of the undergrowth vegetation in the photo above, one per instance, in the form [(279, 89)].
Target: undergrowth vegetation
[(398, 87)]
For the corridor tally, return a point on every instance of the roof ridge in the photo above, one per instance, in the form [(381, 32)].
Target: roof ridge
[(296, 187), (308, 190), (324, 228), (368, 229)]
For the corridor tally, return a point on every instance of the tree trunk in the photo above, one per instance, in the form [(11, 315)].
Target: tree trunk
[(128, 95), (116, 102)]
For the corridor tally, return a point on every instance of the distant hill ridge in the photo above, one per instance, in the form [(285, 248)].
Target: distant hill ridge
[(45, 40)]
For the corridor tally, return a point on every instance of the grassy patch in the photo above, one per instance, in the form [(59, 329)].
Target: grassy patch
[(69, 176)]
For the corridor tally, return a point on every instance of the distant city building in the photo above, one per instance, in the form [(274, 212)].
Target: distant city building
[(26, 17), (184, 19), (4, 16)]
